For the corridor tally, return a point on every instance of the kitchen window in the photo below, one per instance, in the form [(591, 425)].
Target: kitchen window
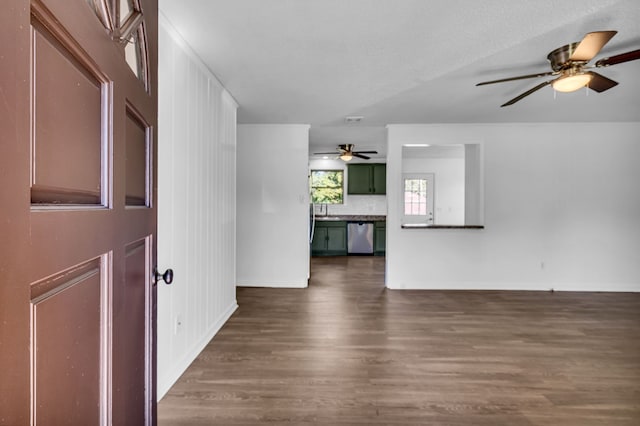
[(327, 186)]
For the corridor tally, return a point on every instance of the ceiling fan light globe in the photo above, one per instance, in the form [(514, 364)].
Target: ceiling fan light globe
[(571, 83), (346, 157)]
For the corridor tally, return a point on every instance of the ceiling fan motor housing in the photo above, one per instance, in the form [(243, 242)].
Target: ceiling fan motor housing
[(560, 58)]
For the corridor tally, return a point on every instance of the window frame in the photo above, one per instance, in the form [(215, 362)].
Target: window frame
[(313, 188), (128, 30)]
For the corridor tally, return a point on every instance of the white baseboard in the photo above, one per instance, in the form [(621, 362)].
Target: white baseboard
[(524, 286), (171, 377), (273, 284)]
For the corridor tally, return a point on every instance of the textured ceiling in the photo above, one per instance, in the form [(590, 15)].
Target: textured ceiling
[(404, 61)]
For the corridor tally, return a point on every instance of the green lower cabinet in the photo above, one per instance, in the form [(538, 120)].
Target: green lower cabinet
[(379, 238), (329, 238), (319, 242), (337, 240)]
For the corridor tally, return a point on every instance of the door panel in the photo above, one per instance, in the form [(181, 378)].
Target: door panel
[(66, 311), (67, 137), (76, 295), (137, 161), (130, 374)]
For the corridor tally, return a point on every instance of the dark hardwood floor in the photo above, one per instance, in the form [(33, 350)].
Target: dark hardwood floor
[(346, 351)]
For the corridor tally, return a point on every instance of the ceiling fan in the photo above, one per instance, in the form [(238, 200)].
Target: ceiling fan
[(346, 152), (569, 64)]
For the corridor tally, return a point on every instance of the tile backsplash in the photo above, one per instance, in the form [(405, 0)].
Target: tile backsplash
[(356, 205)]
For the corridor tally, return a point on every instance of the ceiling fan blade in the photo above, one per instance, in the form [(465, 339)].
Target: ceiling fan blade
[(522, 77), (348, 149), (618, 59), (359, 155), (527, 93), (600, 83), (591, 44)]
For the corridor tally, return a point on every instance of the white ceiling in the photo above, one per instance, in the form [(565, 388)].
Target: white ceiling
[(404, 61)]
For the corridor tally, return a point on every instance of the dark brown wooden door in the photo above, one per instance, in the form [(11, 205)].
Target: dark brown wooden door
[(78, 114)]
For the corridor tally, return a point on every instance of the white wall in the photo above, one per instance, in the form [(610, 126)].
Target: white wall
[(473, 185), (561, 211), (196, 206), (375, 205), (273, 205)]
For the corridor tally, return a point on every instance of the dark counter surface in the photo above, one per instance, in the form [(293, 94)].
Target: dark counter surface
[(352, 218), (426, 226)]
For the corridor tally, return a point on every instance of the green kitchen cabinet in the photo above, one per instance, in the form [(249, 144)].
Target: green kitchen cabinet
[(329, 238), (379, 173), (367, 179), (379, 238)]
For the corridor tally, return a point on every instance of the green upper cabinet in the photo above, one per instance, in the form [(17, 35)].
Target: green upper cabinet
[(359, 179), (379, 178), (367, 178)]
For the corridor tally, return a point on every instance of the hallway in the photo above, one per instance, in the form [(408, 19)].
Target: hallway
[(346, 351)]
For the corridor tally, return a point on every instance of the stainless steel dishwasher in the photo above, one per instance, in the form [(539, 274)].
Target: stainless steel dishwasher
[(360, 237)]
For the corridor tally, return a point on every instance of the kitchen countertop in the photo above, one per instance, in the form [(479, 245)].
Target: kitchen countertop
[(427, 226), (352, 218)]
